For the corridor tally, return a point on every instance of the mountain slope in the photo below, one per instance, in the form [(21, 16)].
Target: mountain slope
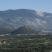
[(23, 30), (10, 20)]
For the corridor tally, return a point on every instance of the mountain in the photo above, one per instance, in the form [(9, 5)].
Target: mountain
[(12, 20), (24, 30)]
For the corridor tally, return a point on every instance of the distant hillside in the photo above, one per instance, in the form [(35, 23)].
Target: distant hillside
[(23, 30), (10, 20)]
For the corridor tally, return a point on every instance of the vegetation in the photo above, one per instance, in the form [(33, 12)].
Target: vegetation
[(26, 44)]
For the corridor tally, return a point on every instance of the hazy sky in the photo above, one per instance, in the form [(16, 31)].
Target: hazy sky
[(42, 5)]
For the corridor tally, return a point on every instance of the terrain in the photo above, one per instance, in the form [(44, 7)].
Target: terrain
[(25, 30), (12, 20)]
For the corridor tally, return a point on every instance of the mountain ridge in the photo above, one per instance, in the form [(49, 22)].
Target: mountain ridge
[(10, 20)]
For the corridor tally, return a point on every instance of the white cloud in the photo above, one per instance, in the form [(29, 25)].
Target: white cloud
[(39, 13)]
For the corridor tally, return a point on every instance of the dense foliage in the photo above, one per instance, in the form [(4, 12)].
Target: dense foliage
[(39, 44)]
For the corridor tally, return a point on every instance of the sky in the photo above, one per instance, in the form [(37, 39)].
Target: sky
[(38, 5)]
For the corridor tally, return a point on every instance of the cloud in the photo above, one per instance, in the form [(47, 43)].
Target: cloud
[(40, 13)]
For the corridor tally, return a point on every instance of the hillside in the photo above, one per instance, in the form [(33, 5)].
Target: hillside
[(10, 20)]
